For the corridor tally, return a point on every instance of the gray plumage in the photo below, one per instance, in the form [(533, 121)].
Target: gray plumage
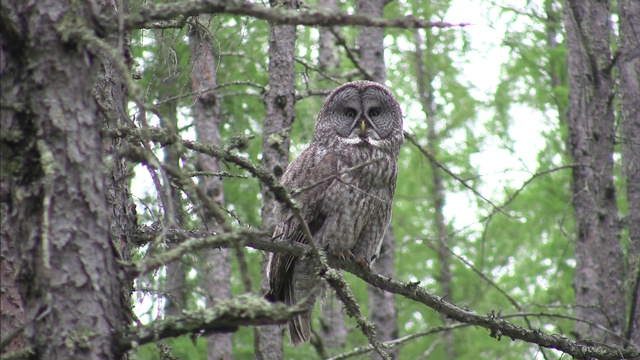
[(347, 210)]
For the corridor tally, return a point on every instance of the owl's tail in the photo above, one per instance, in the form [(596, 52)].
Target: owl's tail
[(300, 328), (303, 287)]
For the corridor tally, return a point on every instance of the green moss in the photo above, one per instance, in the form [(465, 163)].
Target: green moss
[(80, 339)]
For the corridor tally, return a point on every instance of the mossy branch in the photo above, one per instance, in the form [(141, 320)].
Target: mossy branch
[(225, 316), (190, 245)]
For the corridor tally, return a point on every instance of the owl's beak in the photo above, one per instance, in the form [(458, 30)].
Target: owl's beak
[(363, 125)]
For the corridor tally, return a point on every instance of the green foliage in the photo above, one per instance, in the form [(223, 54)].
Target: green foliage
[(525, 248)]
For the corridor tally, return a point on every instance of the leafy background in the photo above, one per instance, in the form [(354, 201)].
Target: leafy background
[(499, 95)]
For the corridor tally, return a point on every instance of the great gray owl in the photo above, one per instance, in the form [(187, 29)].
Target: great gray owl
[(347, 209)]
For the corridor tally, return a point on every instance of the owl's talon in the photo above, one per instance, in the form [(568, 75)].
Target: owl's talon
[(345, 255), (363, 262)]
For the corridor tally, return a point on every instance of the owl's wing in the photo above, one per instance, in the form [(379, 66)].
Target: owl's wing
[(307, 177)]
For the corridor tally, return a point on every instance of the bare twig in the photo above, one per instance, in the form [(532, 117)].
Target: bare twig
[(253, 84), (309, 93), (308, 67), (435, 161), (335, 176), (351, 54), (219, 174), (399, 341)]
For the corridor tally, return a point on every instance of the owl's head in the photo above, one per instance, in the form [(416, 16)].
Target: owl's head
[(360, 113)]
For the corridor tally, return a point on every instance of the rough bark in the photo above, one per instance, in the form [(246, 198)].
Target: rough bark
[(12, 313), (58, 208), (13, 317), (425, 74), (599, 271), (214, 276), (111, 95), (279, 113), (382, 305), (629, 70)]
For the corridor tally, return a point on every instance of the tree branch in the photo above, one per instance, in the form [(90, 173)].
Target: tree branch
[(225, 316), (497, 325), (150, 13), (189, 245), (399, 341), (493, 322), (435, 161)]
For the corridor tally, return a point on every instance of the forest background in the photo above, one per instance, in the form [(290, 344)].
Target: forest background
[(142, 144)]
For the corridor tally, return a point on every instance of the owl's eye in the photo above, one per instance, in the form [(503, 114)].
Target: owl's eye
[(374, 111), (349, 112)]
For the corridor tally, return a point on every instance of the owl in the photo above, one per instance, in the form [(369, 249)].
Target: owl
[(344, 184)]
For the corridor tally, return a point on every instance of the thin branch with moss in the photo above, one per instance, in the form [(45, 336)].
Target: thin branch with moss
[(225, 316)]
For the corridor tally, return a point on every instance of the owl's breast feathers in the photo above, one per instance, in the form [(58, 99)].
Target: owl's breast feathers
[(344, 195), (380, 171)]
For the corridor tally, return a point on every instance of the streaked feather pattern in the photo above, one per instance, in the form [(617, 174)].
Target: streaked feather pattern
[(347, 210)]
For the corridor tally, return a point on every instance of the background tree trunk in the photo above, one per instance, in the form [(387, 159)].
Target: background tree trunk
[(599, 259), (382, 305), (279, 104), (216, 270), (166, 78), (425, 76), (59, 209), (629, 65), (332, 331), (111, 95)]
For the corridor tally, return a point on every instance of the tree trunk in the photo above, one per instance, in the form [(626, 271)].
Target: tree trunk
[(13, 317), (599, 257), (279, 107), (111, 95), (328, 57), (216, 271), (382, 305), (166, 78), (425, 75), (11, 308), (629, 66), (332, 331), (58, 209), (370, 41)]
